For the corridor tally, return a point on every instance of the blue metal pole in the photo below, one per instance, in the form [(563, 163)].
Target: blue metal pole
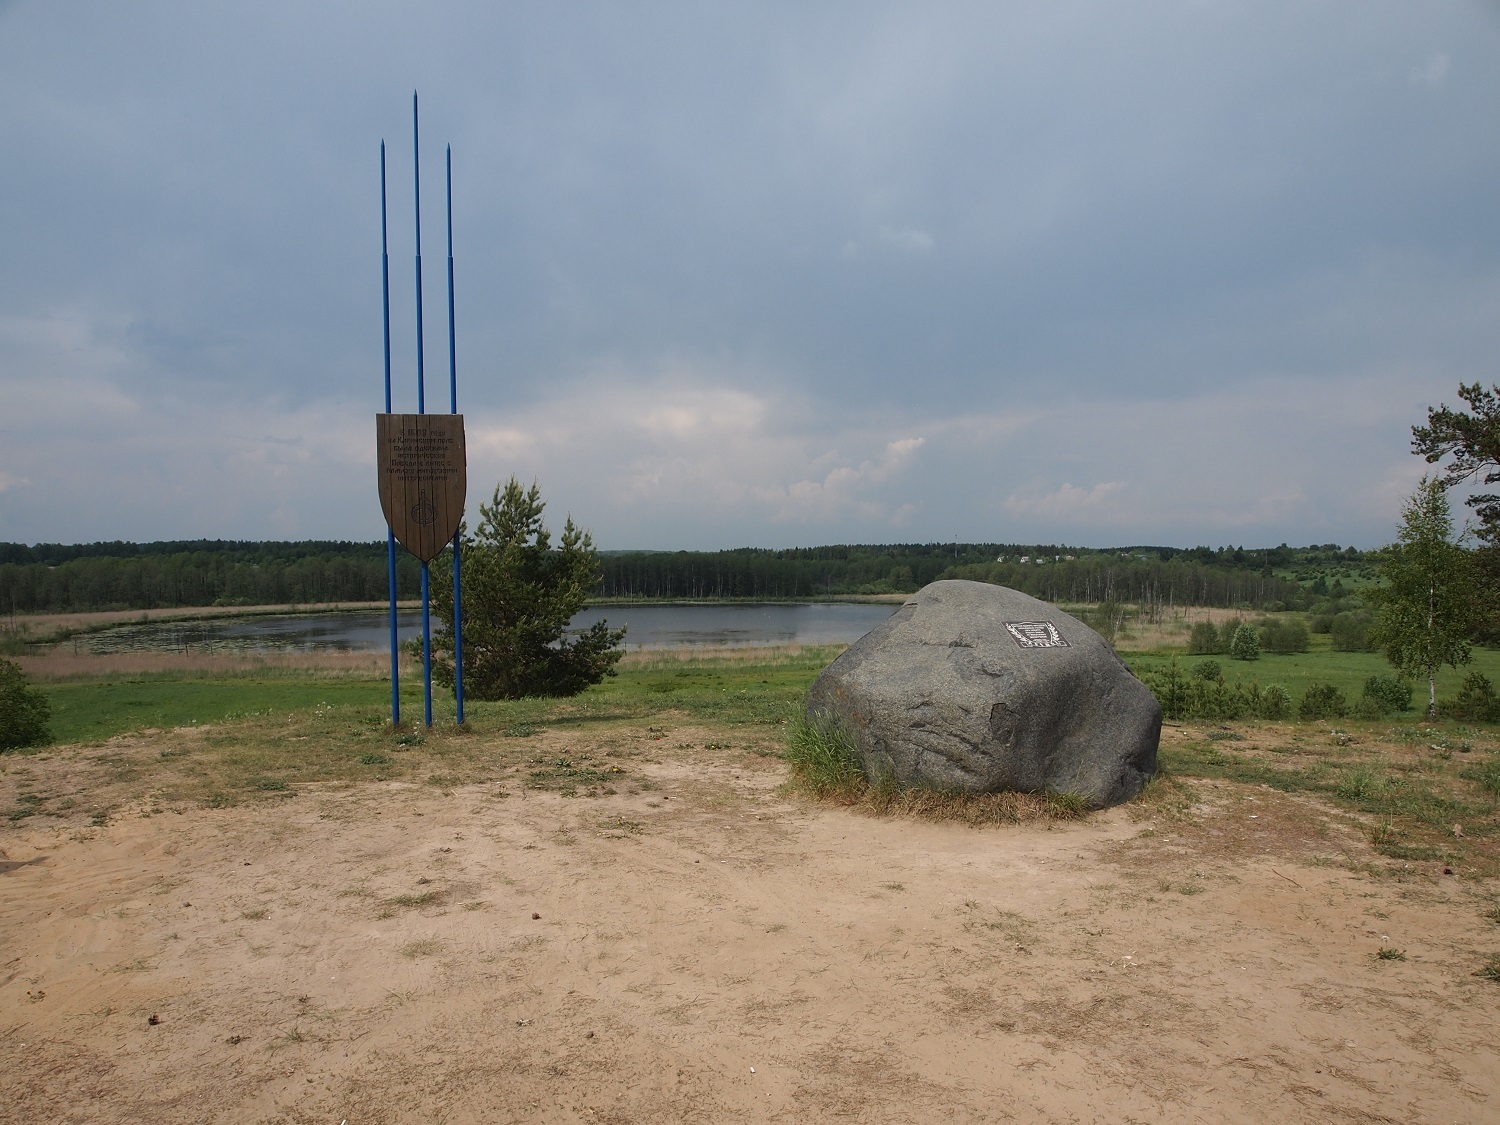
[(390, 536), (416, 157), (426, 651), (458, 613), (416, 163)]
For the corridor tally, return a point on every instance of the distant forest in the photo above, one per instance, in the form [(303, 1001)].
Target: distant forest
[(57, 578)]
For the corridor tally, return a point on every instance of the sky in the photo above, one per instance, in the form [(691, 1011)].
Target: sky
[(1172, 272)]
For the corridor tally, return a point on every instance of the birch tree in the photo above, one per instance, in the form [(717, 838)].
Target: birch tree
[(1428, 603)]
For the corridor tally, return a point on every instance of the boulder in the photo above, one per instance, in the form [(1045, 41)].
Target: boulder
[(977, 688)]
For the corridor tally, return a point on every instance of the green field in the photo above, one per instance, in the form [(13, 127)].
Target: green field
[(755, 689), (761, 689), (1346, 671)]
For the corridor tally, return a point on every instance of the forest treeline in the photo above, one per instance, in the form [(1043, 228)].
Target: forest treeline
[(51, 578), (75, 578)]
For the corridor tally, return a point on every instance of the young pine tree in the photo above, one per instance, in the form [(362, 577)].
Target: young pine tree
[(519, 593), (1244, 644)]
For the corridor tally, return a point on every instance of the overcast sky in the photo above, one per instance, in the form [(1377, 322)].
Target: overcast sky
[(1173, 271)]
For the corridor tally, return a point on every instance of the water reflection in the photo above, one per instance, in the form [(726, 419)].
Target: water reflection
[(648, 626)]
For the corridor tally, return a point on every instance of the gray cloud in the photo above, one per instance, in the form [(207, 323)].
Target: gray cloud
[(1175, 271)]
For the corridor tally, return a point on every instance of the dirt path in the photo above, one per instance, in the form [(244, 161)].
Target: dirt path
[(708, 950)]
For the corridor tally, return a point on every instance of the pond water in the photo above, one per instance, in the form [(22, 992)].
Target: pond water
[(648, 626)]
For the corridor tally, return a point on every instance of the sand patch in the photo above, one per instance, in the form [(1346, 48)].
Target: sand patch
[(390, 952)]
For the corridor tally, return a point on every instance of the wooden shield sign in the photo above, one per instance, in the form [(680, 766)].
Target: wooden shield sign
[(424, 477)]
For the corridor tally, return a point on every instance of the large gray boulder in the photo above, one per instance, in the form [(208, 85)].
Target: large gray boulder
[(977, 688)]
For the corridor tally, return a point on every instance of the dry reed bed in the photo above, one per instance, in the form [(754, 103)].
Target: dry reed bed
[(42, 626), (60, 664)]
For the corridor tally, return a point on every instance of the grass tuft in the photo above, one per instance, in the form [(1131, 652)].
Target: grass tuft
[(425, 898), (1065, 806), (823, 757), (826, 766)]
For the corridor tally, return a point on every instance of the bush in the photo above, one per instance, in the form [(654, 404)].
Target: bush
[(1387, 694), (1323, 701), (1275, 702), (1475, 701), (24, 711), (1351, 631), (1196, 697), (1208, 670), (1171, 690), (1244, 645), (1205, 640), (1284, 637)]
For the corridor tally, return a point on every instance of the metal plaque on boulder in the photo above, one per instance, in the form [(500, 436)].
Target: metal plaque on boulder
[(1036, 634), (424, 477)]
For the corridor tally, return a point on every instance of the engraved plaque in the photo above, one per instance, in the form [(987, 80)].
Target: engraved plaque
[(424, 478), (1036, 634)]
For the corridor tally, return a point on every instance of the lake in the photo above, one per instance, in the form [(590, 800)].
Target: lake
[(648, 626)]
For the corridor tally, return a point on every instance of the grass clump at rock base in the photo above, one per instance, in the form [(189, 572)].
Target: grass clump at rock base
[(823, 758), (825, 765)]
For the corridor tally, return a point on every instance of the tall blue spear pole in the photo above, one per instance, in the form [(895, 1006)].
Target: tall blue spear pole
[(458, 635), (390, 536), (421, 409)]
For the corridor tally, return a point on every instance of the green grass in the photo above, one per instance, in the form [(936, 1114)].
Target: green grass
[(749, 691), (823, 757), (1346, 671), (94, 711)]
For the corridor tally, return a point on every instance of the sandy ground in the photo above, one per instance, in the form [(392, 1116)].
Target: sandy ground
[(709, 949)]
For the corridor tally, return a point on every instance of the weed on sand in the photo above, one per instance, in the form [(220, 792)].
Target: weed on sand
[(1423, 794)]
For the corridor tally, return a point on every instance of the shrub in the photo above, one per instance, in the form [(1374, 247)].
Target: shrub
[(1351, 632), (1275, 703), (1475, 701), (1204, 640), (1208, 670), (1244, 645), (1387, 694), (1281, 636), (24, 711), (1171, 690), (1217, 701), (1196, 697), (1323, 701)]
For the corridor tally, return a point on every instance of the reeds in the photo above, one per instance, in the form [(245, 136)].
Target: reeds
[(63, 664)]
